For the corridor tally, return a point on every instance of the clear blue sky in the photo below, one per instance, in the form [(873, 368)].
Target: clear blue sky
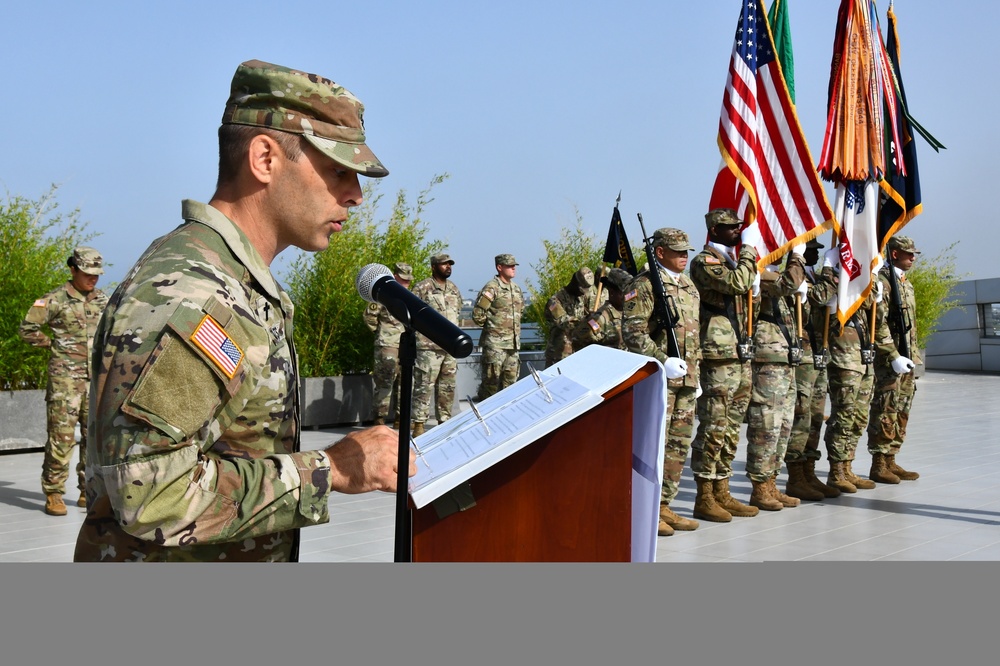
[(535, 109)]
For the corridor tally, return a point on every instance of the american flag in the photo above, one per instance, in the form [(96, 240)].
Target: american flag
[(767, 173), (217, 345)]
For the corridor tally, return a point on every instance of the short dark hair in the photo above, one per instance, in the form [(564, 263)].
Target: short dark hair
[(234, 141)]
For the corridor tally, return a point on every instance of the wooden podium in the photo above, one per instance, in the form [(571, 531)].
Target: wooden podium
[(566, 497)]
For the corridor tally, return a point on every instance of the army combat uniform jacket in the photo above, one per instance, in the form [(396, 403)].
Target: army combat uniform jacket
[(72, 319), (444, 298), (603, 327), (498, 310), (194, 446), (637, 323), (723, 289)]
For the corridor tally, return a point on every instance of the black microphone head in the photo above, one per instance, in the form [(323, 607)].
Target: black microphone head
[(367, 277)]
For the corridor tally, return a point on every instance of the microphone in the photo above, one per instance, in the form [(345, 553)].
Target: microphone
[(375, 284)]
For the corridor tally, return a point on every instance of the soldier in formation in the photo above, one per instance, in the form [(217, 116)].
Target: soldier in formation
[(644, 334), (498, 308), (604, 326), (435, 370), (564, 310), (385, 371), (64, 321)]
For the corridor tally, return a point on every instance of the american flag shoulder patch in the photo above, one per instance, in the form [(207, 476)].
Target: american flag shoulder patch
[(712, 260), (594, 325), (217, 345), (40, 303), (630, 295)]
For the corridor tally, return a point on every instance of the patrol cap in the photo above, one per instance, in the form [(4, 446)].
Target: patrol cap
[(88, 260), (443, 258), (505, 260), (402, 270), (584, 278), (813, 243), (674, 239), (721, 216), (619, 278), (903, 243), (326, 114)]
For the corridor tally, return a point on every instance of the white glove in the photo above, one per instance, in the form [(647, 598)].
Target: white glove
[(755, 288), (878, 291), (803, 289), (674, 367), (831, 258), (799, 249), (902, 365), (698, 391), (751, 236)]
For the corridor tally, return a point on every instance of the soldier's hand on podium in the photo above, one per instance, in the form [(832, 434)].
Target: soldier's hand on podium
[(367, 460)]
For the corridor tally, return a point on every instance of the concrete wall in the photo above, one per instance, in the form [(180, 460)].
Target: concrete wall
[(22, 420), (959, 343)]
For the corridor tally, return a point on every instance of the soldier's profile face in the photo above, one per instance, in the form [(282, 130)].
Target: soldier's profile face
[(903, 260), (726, 234), (83, 282), (506, 273)]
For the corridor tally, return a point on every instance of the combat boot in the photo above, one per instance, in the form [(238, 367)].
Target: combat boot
[(54, 505), (705, 505), (761, 497), (809, 471), (786, 500), (730, 503), (838, 478), (798, 485), (676, 522), (663, 529), (880, 469), (82, 501), (418, 428), (899, 471), (859, 483)]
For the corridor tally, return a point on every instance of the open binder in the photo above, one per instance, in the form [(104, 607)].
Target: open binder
[(564, 465)]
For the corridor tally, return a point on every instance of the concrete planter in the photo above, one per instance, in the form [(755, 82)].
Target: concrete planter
[(22, 420)]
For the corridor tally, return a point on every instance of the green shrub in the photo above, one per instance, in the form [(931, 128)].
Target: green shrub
[(933, 281), (331, 338), (35, 241)]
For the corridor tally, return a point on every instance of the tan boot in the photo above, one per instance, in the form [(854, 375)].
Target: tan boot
[(663, 529), (54, 505), (786, 500), (418, 429), (82, 501), (899, 471), (880, 471), (730, 503), (859, 483), (705, 505), (798, 485), (809, 471), (838, 478), (678, 523), (761, 498)]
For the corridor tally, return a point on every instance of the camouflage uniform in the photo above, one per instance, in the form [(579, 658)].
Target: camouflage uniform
[(772, 398), (603, 327), (385, 371), (194, 453), (850, 380), (893, 394), (72, 318), (435, 370), (725, 380), (498, 309), (564, 310), (810, 387), (637, 323)]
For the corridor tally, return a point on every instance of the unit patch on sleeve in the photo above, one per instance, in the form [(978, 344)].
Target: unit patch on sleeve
[(217, 345)]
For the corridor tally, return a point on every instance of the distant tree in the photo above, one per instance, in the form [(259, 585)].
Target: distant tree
[(933, 281), (573, 249), (35, 241), (331, 338)]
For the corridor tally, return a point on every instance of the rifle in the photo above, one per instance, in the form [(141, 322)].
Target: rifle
[(664, 309), (898, 318)]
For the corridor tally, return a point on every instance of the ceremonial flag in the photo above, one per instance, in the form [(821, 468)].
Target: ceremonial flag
[(767, 173), (617, 251), (901, 185), (862, 116), (781, 29)]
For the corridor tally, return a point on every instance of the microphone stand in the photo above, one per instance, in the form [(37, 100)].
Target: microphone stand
[(407, 359)]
